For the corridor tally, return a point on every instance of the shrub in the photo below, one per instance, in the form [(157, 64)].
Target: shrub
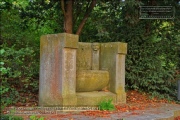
[(18, 73), (10, 117)]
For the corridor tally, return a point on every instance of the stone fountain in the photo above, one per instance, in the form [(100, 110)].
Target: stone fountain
[(80, 73)]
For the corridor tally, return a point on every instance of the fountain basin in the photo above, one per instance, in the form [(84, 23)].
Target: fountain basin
[(91, 80)]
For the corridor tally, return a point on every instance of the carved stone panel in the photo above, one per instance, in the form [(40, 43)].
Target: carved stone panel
[(84, 54), (112, 58), (95, 56)]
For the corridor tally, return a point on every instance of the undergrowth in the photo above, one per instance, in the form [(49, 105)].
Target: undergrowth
[(106, 105)]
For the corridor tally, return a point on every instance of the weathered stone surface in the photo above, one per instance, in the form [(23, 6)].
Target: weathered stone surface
[(84, 54), (57, 70), (94, 98), (112, 58), (49, 49), (120, 73), (68, 40), (121, 98), (176, 113), (69, 69), (122, 48), (91, 80), (108, 62), (95, 56)]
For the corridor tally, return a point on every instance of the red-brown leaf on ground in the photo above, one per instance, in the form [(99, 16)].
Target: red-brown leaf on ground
[(177, 118), (97, 113), (137, 97), (139, 101), (135, 101)]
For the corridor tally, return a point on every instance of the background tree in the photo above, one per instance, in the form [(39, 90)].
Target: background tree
[(68, 6)]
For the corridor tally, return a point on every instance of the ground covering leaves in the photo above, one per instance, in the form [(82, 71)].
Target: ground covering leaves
[(135, 101)]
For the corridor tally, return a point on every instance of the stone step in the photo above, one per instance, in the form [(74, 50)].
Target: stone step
[(94, 98)]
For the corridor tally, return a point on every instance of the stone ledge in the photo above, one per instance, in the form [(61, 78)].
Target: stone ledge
[(94, 98), (67, 40)]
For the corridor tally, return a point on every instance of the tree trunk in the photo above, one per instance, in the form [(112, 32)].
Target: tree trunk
[(67, 7), (87, 13)]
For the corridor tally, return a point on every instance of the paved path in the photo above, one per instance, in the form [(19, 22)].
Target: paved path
[(163, 112)]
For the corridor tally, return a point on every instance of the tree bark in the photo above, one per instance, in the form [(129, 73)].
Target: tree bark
[(86, 15), (67, 8)]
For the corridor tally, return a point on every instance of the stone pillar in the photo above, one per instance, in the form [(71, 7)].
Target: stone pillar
[(178, 89), (95, 56), (57, 86), (120, 73)]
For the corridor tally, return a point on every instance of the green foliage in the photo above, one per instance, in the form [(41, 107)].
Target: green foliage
[(42, 17), (8, 94), (10, 117), (34, 117), (19, 68), (151, 69), (152, 62), (22, 24), (17, 74), (106, 105)]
